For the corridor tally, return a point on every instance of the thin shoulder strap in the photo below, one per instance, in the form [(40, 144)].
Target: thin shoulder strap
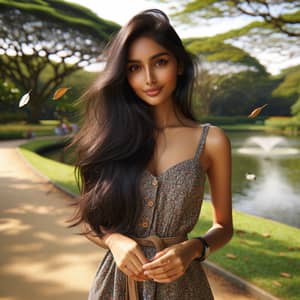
[(202, 140)]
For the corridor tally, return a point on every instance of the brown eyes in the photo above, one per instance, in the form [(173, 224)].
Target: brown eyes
[(161, 62), (133, 68), (136, 67)]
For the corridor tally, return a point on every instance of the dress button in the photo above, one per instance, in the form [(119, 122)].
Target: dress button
[(145, 224), (154, 182), (150, 203)]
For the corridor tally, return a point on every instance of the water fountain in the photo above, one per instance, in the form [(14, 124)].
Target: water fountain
[(266, 146)]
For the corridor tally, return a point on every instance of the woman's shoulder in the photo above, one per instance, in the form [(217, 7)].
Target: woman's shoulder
[(217, 140)]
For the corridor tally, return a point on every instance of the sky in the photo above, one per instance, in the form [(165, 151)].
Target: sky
[(120, 11)]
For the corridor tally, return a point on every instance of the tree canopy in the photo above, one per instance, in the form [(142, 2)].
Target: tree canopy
[(269, 31), (279, 15), (47, 36)]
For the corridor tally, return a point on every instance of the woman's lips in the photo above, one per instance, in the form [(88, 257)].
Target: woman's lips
[(153, 92)]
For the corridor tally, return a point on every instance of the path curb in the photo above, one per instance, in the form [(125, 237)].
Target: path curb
[(253, 290)]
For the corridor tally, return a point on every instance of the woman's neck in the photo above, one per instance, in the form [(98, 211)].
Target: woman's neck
[(166, 117)]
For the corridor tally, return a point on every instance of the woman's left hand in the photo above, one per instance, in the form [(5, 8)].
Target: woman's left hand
[(171, 263)]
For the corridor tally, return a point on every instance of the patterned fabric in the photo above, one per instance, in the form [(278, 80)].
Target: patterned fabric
[(172, 203)]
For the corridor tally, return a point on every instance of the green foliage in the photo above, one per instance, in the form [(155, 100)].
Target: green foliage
[(287, 19), (50, 39), (240, 93), (296, 109), (283, 125), (68, 106), (215, 49), (69, 14), (8, 92), (9, 96), (289, 87)]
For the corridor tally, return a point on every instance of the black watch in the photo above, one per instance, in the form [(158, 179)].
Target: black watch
[(205, 249)]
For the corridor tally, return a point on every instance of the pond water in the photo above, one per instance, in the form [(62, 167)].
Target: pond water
[(275, 192), (265, 175)]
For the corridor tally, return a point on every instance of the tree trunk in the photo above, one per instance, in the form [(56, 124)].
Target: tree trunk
[(35, 109)]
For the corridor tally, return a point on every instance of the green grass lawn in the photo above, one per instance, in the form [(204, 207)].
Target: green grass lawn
[(263, 252), (59, 173), (259, 252)]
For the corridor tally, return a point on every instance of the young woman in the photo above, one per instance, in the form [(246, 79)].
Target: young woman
[(142, 161)]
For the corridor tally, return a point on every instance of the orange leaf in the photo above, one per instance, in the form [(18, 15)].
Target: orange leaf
[(285, 274), (60, 92), (276, 283), (231, 255), (256, 111)]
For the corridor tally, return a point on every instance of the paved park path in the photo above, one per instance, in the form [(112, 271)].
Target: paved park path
[(40, 257)]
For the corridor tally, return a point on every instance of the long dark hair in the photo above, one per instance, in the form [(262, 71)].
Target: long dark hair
[(117, 137)]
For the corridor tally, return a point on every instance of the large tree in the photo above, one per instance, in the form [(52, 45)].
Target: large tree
[(267, 29), (47, 39), (222, 63)]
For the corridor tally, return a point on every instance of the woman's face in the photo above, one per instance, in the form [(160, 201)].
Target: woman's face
[(151, 71)]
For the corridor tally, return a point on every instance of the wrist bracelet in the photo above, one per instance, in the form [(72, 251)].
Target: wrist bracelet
[(205, 249)]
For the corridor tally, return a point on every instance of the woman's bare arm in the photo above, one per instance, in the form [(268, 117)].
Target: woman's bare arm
[(218, 152)]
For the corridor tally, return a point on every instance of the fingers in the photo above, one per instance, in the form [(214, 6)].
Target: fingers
[(140, 255), (133, 265), (165, 278), (127, 269), (164, 268), (164, 273), (163, 260), (159, 254)]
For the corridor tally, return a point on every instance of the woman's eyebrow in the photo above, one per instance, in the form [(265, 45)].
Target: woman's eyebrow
[(151, 58)]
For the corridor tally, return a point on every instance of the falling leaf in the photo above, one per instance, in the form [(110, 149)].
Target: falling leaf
[(249, 176), (281, 254), (256, 111), (231, 255), (285, 274), (276, 283), (60, 92), (25, 99), (266, 235)]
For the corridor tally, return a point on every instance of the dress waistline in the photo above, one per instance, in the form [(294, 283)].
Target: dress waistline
[(159, 244)]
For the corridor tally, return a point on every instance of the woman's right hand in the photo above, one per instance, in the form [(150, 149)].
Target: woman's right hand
[(128, 255)]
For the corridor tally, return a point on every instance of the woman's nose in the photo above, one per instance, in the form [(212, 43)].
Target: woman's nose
[(150, 76)]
